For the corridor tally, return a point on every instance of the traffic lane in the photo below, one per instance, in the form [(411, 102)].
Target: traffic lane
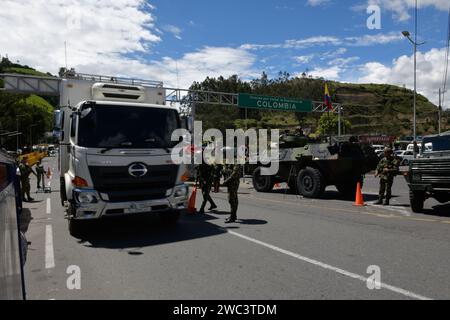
[(129, 259), (194, 260), (38, 278), (410, 253)]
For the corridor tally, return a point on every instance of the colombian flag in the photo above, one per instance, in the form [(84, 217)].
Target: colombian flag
[(327, 100)]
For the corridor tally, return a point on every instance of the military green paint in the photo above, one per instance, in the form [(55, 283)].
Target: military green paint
[(251, 101)]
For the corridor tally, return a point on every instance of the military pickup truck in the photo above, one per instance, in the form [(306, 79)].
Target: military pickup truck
[(429, 174)]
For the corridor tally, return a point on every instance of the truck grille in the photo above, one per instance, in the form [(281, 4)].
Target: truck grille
[(120, 186), (435, 171)]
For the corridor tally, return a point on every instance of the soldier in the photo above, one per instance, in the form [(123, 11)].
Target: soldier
[(40, 172), (205, 180), (387, 169), (25, 171), (217, 175), (232, 183)]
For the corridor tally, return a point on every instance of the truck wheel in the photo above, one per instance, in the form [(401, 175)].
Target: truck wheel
[(262, 183), (417, 200), (310, 183)]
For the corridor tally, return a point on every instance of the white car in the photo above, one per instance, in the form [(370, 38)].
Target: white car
[(407, 156)]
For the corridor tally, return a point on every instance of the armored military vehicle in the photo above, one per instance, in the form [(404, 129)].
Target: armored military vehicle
[(309, 166), (429, 174)]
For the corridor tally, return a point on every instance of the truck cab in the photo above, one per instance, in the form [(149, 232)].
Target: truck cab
[(429, 174), (115, 152)]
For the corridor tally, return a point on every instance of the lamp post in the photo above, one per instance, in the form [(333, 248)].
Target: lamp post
[(17, 129)]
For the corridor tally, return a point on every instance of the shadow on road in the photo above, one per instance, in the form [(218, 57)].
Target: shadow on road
[(439, 210), (140, 232), (25, 220)]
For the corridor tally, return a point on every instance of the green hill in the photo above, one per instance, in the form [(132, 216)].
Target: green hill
[(370, 108)]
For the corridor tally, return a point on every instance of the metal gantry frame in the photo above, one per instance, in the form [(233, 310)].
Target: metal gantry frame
[(186, 98)]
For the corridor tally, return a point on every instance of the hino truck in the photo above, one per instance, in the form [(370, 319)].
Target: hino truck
[(115, 150)]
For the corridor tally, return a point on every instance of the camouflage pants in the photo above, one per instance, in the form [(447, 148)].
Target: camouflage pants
[(386, 187), (25, 184), (206, 190), (233, 200), (40, 177)]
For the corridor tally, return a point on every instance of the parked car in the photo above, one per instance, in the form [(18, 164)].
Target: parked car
[(407, 156)]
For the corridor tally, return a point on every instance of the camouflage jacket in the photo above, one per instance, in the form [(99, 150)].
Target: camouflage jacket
[(392, 166), (234, 177), (25, 171), (40, 169), (204, 174)]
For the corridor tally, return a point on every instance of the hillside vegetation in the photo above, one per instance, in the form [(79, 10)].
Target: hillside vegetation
[(370, 108)]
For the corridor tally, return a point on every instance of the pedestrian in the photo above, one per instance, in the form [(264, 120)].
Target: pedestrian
[(232, 183), (387, 169), (25, 171), (217, 175), (40, 172), (205, 180)]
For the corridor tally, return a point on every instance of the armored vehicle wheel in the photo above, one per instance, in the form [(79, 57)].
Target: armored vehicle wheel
[(310, 183), (417, 200), (262, 183)]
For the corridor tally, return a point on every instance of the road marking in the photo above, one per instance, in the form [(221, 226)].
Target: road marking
[(49, 252), (329, 267), (49, 206), (402, 210)]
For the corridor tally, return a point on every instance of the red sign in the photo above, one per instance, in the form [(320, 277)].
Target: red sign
[(377, 139)]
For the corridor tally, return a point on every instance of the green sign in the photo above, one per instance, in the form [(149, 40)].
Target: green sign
[(273, 103)]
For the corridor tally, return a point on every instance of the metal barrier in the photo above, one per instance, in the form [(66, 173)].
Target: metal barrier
[(12, 243)]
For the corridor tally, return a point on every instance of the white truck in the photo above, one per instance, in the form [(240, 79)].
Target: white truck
[(115, 150)]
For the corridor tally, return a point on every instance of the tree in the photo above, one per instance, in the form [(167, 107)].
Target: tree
[(328, 124)]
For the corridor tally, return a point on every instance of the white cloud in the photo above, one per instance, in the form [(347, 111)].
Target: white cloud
[(173, 30), (360, 41), (430, 73), (315, 3), (332, 73), (400, 8), (106, 37), (304, 59)]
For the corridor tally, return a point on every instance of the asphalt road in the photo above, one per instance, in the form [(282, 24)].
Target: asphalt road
[(283, 247)]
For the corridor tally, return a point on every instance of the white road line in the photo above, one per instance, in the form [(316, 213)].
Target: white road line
[(49, 206), (329, 267), (401, 210), (49, 253)]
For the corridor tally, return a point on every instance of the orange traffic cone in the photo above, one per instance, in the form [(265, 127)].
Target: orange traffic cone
[(191, 205), (359, 202)]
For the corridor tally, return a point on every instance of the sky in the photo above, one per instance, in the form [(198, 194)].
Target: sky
[(181, 41)]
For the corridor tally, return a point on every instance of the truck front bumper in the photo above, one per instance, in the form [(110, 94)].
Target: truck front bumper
[(89, 205)]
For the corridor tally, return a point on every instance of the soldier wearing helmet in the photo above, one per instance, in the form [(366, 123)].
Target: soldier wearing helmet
[(387, 169)]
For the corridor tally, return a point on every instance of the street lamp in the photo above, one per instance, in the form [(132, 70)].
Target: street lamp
[(407, 35)]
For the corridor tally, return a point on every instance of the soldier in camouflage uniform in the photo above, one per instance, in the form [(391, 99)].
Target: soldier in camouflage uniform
[(217, 175), (25, 171), (40, 172), (205, 180), (232, 183), (387, 169)]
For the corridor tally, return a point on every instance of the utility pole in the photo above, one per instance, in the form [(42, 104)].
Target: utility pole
[(439, 112), (407, 34)]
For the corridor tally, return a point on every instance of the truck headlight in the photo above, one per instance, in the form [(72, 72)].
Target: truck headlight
[(86, 196), (181, 191)]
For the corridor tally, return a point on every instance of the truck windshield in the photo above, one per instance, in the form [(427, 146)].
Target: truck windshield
[(436, 144), (111, 126)]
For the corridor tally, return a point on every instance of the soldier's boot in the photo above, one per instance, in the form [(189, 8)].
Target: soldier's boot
[(386, 202), (213, 206), (380, 201), (202, 208), (232, 218)]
